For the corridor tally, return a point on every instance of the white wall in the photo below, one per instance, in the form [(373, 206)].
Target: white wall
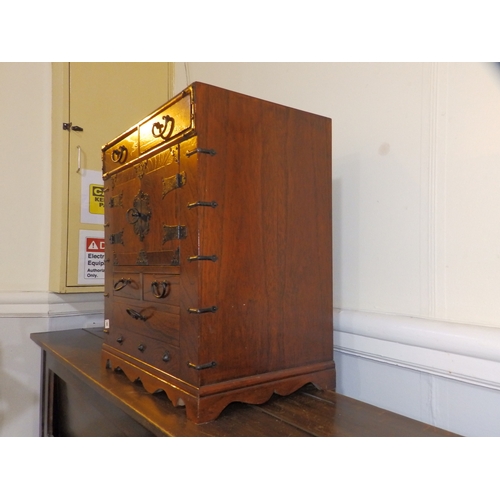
[(416, 166), (25, 142), (416, 162), (416, 234), (26, 306)]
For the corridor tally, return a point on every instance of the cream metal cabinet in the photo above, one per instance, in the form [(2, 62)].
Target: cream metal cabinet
[(91, 101)]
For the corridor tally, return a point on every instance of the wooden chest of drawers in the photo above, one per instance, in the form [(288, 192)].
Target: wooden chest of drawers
[(218, 226)]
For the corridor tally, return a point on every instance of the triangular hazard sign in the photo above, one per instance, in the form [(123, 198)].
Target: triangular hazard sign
[(93, 246)]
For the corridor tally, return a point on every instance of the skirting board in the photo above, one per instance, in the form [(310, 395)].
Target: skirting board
[(49, 305), (465, 353)]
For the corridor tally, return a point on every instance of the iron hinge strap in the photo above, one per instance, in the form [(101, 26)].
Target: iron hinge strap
[(202, 367), (210, 152), (203, 310), (212, 204), (213, 258)]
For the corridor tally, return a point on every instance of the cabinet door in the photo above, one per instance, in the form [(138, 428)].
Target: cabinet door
[(141, 212), (97, 101)]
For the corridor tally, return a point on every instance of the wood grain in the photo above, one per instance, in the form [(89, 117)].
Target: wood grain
[(89, 400)]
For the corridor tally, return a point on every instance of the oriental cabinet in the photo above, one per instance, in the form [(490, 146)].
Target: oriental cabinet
[(218, 227)]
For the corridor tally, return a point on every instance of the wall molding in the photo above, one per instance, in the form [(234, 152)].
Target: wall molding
[(48, 304), (467, 353)]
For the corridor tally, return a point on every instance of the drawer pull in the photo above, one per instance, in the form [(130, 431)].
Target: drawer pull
[(202, 311), (119, 155), (141, 347), (121, 283), (136, 315), (212, 204), (213, 258), (210, 152), (169, 124), (160, 290), (79, 159), (120, 340), (202, 367), (166, 357)]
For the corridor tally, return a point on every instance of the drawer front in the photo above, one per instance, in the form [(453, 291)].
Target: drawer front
[(120, 151), (127, 285), (146, 319), (169, 123), (154, 352), (161, 288)]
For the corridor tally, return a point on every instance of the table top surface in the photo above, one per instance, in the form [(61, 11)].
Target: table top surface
[(307, 412)]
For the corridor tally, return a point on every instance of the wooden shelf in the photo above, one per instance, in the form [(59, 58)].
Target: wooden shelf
[(79, 398)]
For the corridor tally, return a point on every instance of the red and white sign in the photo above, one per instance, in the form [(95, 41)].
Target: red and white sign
[(95, 245), (91, 258)]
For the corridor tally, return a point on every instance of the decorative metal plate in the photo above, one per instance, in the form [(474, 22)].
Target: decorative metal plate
[(175, 258), (174, 233), (140, 214), (142, 259), (116, 201), (174, 182), (116, 238), (140, 169)]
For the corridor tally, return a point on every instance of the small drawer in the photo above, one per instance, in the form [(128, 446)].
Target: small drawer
[(161, 288), (168, 123), (120, 151), (127, 285), (146, 319), (160, 354)]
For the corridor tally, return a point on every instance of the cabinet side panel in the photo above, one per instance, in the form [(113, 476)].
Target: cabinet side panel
[(271, 233)]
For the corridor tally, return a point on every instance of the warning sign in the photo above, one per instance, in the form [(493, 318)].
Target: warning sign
[(95, 244), (91, 259), (96, 199)]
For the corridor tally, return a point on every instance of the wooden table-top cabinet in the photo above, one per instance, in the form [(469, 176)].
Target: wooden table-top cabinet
[(218, 225)]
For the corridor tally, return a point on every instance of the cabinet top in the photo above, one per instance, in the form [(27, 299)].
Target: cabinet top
[(178, 119)]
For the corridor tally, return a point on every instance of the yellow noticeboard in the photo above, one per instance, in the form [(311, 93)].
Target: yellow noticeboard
[(92, 197), (96, 199)]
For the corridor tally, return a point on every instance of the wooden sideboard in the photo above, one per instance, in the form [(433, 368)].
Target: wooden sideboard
[(79, 398)]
